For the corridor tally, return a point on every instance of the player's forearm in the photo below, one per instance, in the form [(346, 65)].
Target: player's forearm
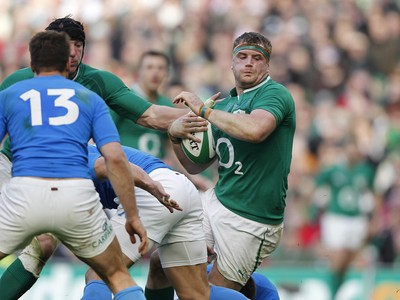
[(123, 183), (160, 117), (251, 128), (142, 179)]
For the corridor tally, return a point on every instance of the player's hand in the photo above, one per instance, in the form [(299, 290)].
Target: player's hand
[(185, 126), (157, 190), (134, 226), (170, 204), (193, 101)]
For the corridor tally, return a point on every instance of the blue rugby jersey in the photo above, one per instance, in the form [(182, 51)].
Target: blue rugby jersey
[(50, 120)]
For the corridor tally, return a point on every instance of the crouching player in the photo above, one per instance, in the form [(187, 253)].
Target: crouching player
[(179, 236)]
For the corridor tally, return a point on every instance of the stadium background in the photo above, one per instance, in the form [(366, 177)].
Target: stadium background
[(339, 58)]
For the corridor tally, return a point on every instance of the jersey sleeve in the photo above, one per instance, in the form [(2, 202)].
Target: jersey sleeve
[(94, 154), (277, 100), (120, 98), (17, 76)]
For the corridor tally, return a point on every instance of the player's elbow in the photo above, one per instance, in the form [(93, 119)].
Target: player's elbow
[(113, 154), (256, 137), (115, 159), (259, 134)]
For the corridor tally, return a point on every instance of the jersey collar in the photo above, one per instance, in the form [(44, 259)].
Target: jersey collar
[(234, 94)]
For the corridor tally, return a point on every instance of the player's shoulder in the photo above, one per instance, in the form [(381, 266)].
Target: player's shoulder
[(81, 90), (272, 85), (276, 90), (17, 76), (92, 72)]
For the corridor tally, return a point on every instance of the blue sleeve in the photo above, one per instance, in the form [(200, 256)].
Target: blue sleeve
[(219, 292), (265, 289), (92, 157)]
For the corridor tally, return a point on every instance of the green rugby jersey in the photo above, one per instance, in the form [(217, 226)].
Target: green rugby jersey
[(108, 86), (349, 186), (146, 139), (253, 178)]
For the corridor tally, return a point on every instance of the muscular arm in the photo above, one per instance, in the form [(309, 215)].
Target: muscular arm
[(142, 179), (124, 102), (122, 181), (254, 127), (160, 117)]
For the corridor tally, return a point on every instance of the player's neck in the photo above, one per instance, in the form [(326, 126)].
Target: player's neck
[(52, 73)]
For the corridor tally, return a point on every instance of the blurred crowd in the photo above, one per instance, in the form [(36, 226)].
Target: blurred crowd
[(339, 58)]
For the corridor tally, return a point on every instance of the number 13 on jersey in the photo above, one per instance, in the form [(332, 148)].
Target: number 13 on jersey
[(63, 100)]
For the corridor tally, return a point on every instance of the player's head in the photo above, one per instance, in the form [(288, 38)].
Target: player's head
[(153, 70), (49, 51), (251, 56), (76, 32), (253, 41), (73, 28)]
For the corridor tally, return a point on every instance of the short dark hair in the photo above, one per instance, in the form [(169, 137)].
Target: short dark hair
[(73, 28), (154, 53), (254, 38), (49, 51)]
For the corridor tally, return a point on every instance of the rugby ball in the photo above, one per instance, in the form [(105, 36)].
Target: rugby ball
[(200, 153)]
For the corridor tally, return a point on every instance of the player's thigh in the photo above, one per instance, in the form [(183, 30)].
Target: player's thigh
[(184, 264), (189, 282), (240, 244), (188, 227), (83, 226), (109, 264), (183, 253), (129, 249), (155, 217), (21, 208)]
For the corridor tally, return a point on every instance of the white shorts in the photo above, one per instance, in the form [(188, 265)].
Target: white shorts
[(5, 170), (343, 232), (163, 227), (69, 209), (239, 243)]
